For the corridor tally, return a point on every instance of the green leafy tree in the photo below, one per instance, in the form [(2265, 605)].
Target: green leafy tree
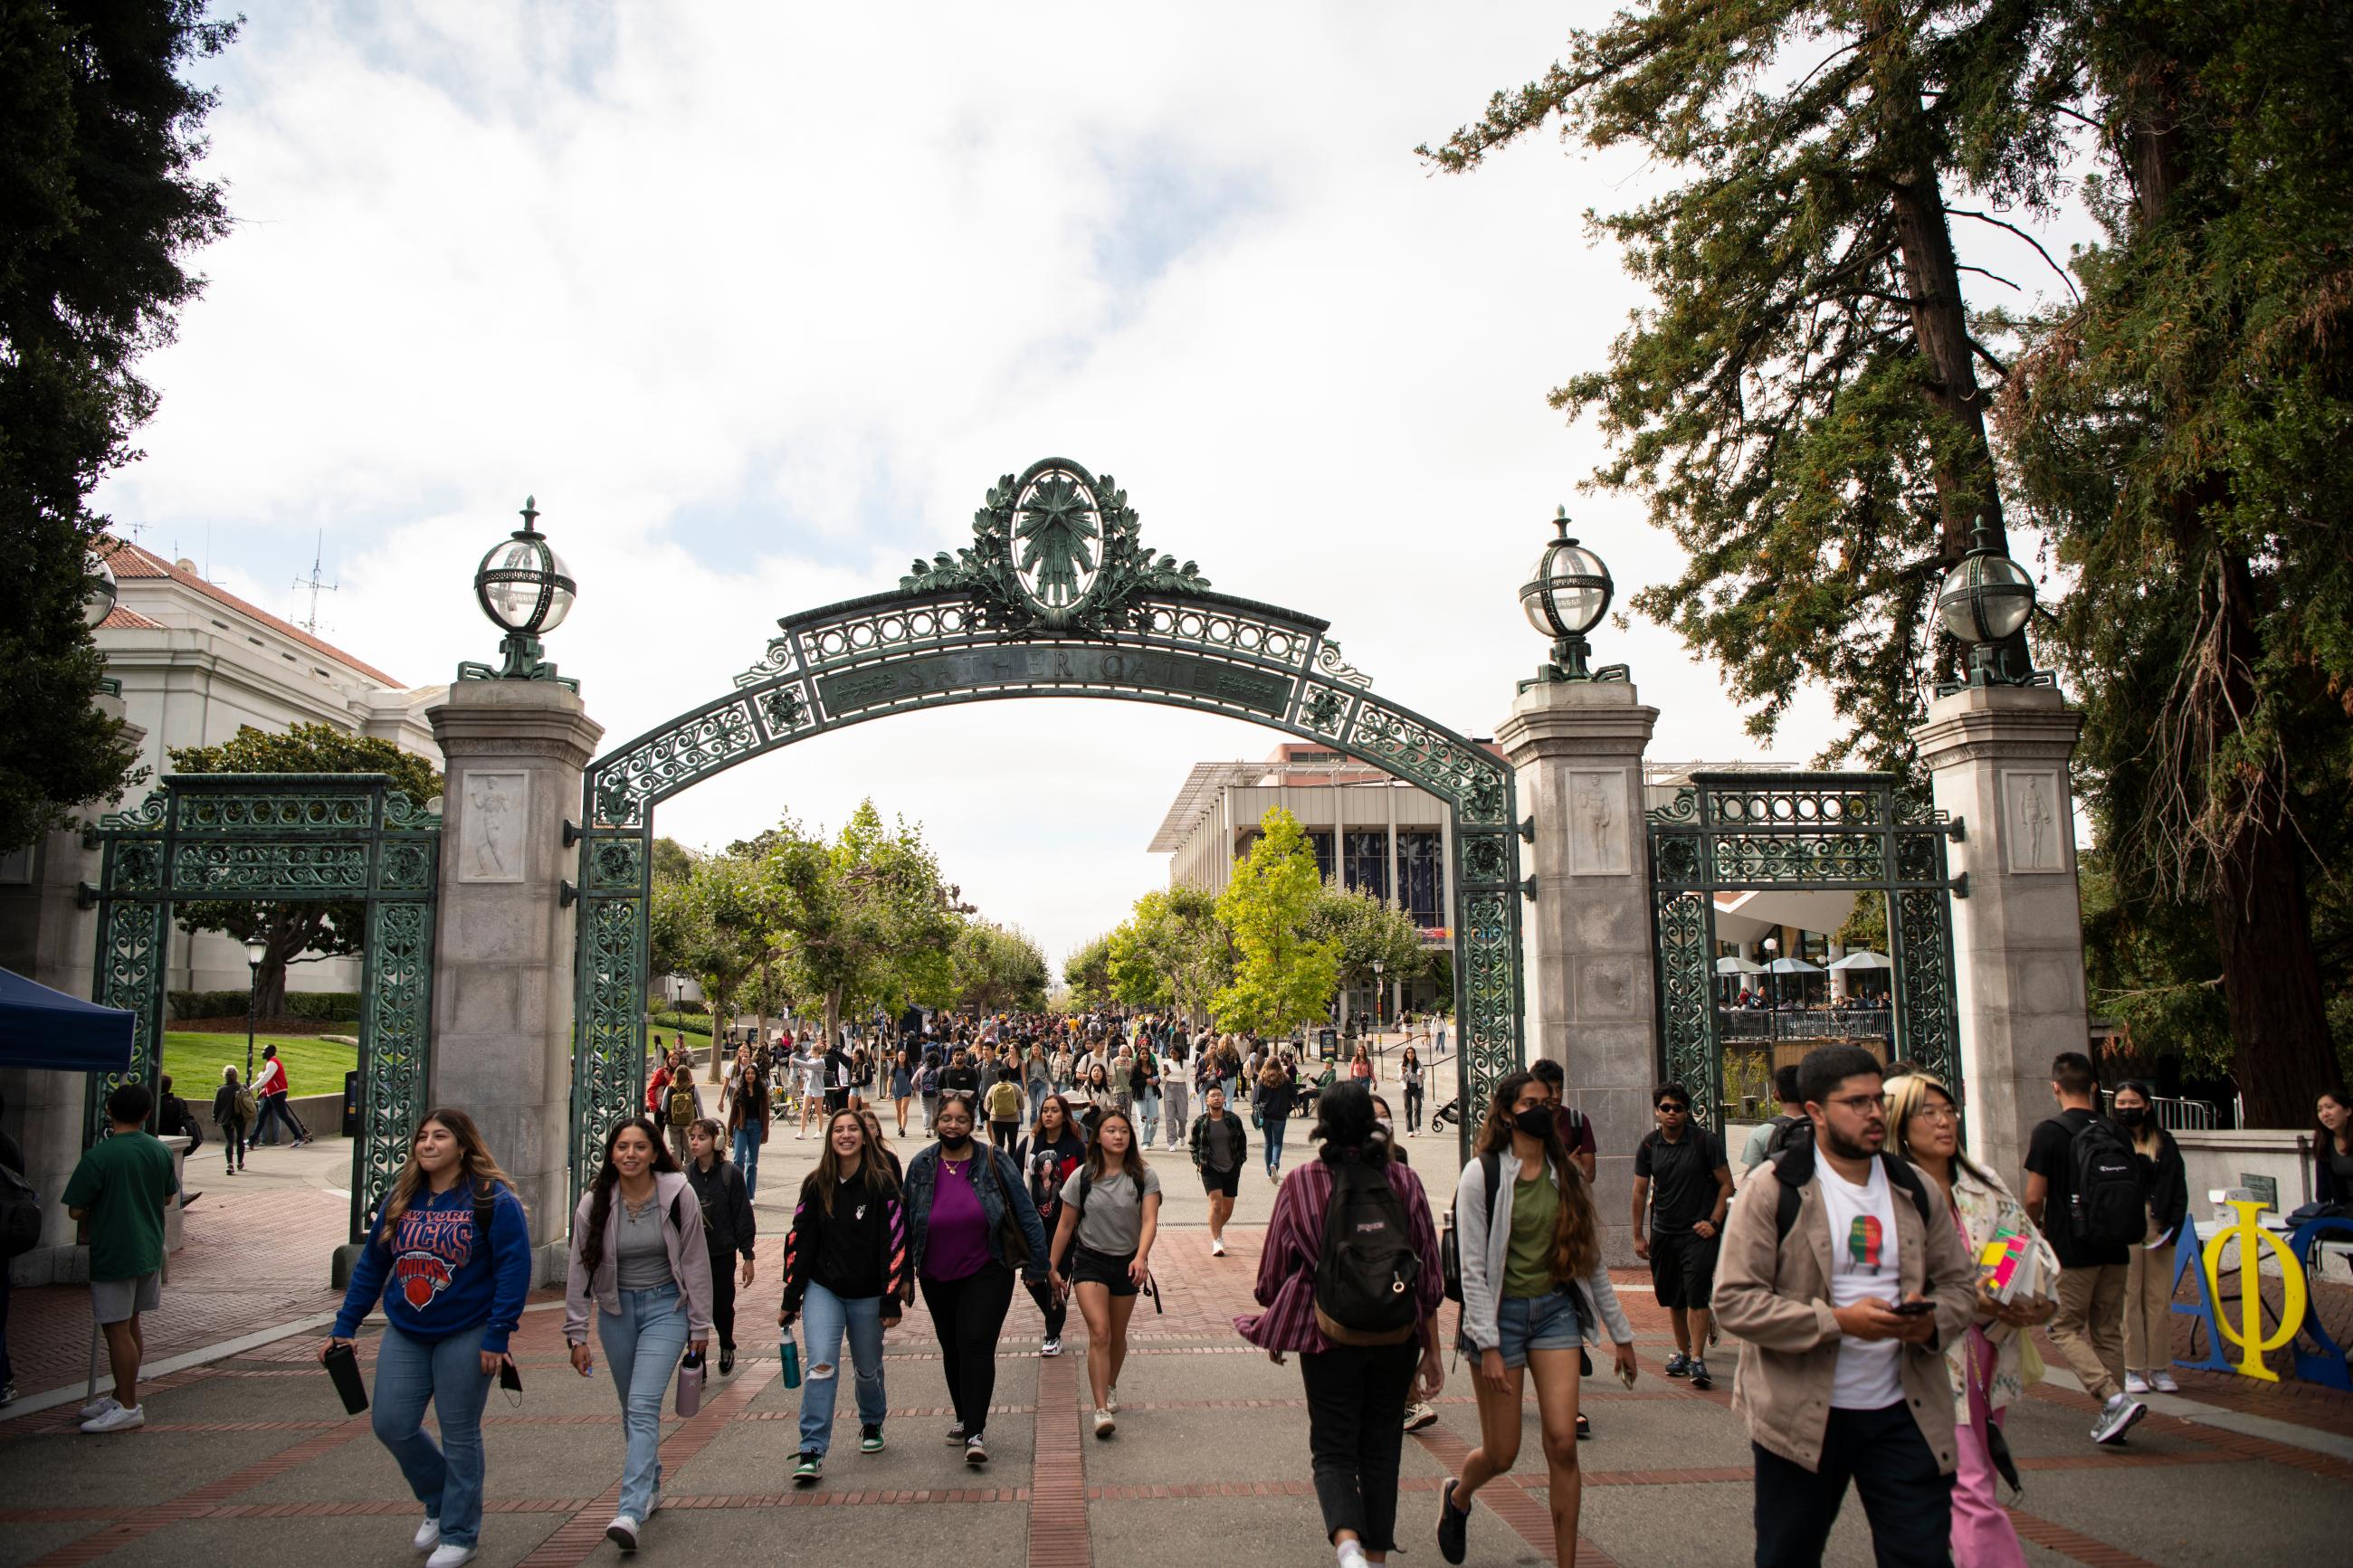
[(865, 919), (290, 931), (997, 968), (1171, 952), (100, 136), (2180, 432), (1283, 976), (1365, 930), (1087, 972), (710, 923), (1802, 406)]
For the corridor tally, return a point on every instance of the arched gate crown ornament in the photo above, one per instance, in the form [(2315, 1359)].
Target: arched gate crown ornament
[(1055, 597)]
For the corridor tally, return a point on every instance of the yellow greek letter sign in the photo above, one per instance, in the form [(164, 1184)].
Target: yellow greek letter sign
[(2249, 1335)]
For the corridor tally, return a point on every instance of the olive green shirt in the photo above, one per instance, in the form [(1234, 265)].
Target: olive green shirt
[(1527, 1256)]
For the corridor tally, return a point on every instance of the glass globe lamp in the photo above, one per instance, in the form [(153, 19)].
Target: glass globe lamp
[(1566, 597), (525, 589), (1985, 601)]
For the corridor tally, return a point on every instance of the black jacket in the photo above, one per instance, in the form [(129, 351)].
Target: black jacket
[(2165, 1181), (727, 1221)]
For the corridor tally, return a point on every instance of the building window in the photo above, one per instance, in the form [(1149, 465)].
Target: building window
[(1421, 879), (1365, 862)]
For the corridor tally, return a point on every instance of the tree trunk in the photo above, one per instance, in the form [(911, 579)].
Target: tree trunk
[(832, 1018)]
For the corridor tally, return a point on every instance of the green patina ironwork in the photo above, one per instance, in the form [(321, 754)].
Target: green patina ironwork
[(1737, 832), (351, 837), (1056, 596)]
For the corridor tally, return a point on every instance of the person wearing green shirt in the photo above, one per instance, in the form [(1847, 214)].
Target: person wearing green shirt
[(119, 1193)]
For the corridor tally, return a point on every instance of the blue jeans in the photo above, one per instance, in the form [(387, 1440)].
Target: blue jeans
[(1273, 1134), (448, 1478), (1147, 1116), (825, 1317), (643, 1343), (747, 1160), (1038, 1093)]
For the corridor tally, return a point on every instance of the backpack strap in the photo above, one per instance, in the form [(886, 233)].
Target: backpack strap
[(486, 1198), (1491, 1165), (1787, 1172), (1901, 1174)]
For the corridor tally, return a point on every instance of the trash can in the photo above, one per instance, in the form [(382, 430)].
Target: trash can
[(351, 1103)]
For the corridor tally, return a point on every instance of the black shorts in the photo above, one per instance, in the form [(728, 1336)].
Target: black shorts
[(1682, 1268), (1230, 1182), (1108, 1269)]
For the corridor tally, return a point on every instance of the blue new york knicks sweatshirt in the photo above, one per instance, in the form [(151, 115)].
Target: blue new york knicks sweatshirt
[(435, 1276)]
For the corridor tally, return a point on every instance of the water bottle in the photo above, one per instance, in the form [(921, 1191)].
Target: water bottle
[(791, 1355), (689, 1384)]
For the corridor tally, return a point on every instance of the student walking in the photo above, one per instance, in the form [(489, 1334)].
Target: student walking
[(1102, 1251), (1769, 1137), (270, 1089), (971, 1226), (807, 1066), (453, 1236), (234, 1110), (747, 1126), (1575, 1127), (1048, 1157), (639, 1259), (1362, 1317), (119, 1190), (1219, 1146), (1004, 1099), (1681, 1187), (845, 1264), (2083, 1187), (1409, 1074), (1177, 1092), (1986, 1365), (2149, 1268), (1271, 1104), (1534, 1290), (1877, 1411), (730, 1229), (903, 1084)]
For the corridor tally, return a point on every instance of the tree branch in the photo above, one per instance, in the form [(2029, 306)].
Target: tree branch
[(2003, 222), (1986, 354), (1965, 267)]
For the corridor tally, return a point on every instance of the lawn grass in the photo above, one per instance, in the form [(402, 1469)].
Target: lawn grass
[(312, 1066)]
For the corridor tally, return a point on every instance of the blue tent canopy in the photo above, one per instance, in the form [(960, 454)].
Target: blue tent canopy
[(44, 1028)]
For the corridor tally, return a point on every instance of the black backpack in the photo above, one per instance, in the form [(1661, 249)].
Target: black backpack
[(1450, 1246), (2107, 1207), (20, 1214), (1365, 1271), (1787, 1130)]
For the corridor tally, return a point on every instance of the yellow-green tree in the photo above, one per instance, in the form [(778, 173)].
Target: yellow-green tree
[(1283, 977)]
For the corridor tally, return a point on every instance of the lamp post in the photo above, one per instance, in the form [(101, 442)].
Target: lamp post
[(1985, 602), (97, 597), (1379, 1009), (1772, 944), (526, 590), (1565, 599), (255, 952)]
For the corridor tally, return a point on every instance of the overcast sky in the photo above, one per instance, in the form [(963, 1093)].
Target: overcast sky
[(759, 300)]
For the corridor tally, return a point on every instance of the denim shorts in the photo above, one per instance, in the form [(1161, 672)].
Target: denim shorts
[(1524, 1323)]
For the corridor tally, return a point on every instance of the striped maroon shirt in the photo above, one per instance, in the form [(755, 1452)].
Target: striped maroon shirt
[(1295, 1240)]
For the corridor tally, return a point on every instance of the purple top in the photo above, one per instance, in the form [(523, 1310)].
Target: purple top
[(959, 1243)]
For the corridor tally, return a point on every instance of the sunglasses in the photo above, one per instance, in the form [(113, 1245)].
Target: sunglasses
[(1672, 1109)]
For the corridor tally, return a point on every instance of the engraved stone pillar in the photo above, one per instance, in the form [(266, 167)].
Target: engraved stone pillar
[(514, 752), (1591, 993), (1998, 757)]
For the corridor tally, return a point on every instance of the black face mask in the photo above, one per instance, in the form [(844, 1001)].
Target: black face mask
[(955, 1145), (2131, 1115), (1536, 1120)]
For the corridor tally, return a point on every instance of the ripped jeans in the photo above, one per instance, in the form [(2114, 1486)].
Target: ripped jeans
[(824, 1319)]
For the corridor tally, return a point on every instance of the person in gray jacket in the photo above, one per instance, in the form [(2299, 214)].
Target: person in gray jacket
[(1534, 1291)]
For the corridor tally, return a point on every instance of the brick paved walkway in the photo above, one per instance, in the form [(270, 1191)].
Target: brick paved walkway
[(251, 1460)]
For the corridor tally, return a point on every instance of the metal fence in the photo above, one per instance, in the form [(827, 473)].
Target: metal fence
[(1742, 1024), (2173, 1115)]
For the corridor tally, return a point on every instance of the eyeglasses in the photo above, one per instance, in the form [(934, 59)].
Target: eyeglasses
[(1858, 1104), (1939, 1113), (1670, 1107)]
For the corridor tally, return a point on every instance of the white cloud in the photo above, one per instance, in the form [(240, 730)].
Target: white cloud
[(758, 300)]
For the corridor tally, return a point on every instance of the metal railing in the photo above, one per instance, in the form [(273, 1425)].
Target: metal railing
[(2173, 1115), (1759, 1024)]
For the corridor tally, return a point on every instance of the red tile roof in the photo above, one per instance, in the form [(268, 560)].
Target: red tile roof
[(128, 620), (129, 560)]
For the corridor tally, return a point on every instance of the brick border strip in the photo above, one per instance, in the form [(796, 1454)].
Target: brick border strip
[(1509, 1501), (2073, 1543), (1059, 1532)]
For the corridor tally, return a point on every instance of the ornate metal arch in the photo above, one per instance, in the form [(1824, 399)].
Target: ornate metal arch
[(347, 838), (1056, 597)]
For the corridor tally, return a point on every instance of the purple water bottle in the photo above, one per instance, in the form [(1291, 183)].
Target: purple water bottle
[(689, 1384)]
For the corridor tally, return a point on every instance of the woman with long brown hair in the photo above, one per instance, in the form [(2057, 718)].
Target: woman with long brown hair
[(844, 1263), (1534, 1290), (638, 1252), (1110, 1214), (1048, 1158), (454, 1242)]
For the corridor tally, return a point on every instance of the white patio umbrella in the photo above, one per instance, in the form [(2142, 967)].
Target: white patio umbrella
[(1793, 966), (1736, 964), (1864, 960)]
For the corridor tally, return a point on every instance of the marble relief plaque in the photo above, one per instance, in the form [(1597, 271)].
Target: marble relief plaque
[(490, 827), (1600, 827), (2034, 820)]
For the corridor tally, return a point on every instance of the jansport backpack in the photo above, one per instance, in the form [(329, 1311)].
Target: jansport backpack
[(2107, 1207), (1365, 1271), (681, 1104)]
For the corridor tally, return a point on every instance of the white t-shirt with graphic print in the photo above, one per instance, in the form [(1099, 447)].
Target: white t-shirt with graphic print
[(1863, 1262)]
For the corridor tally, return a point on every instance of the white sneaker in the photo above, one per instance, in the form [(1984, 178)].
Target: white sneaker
[(428, 1535), (623, 1532), (1217, 1247), (1111, 1400), (118, 1419), (449, 1556), (2163, 1382), (653, 1506), (1104, 1424), (2136, 1384), (2116, 1418), (100, 1406)]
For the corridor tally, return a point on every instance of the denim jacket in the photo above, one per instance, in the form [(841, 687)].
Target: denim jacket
[(997, 1181)]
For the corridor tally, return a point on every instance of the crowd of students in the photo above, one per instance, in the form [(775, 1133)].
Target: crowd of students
[(1845, 1260)]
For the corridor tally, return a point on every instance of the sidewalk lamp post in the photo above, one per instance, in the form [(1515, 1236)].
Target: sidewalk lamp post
[(1985, 602), (255, 952), (1381, 1010), (1564, 600)]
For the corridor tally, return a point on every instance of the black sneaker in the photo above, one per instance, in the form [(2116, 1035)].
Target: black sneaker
[(1453, 1526), (726, 1360), (1679, 1365), (1584, 1427), (1700, 1379), (976, 1452), (955, 1432)]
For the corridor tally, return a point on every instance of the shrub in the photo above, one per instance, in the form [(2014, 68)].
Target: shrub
[(318, 1007)]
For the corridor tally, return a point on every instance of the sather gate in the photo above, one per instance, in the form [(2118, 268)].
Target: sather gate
[(1056, 596)]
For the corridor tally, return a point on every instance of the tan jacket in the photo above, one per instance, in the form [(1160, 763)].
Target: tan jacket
[(1774, 1294)]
